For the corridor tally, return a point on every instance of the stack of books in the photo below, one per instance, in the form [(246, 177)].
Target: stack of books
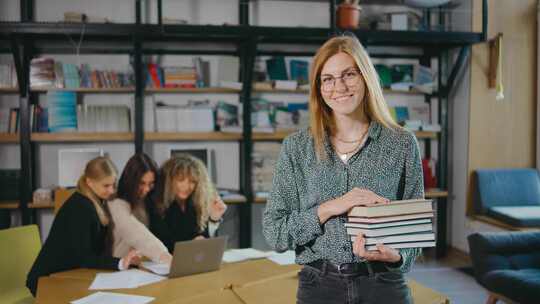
[(399, 224)]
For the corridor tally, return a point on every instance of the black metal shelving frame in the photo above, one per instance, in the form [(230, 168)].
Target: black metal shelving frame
[(27, 38)]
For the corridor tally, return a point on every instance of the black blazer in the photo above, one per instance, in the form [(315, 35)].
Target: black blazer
[(76, 239), (176, 225)]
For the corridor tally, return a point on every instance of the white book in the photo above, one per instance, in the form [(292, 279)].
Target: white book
[(393, 208), (286, 85), (230, 85), (405, 245), (399, 238), (389, 224), (431, 127), (149, 115), (380, 232), (195, 119), (4, 120), (166, 119), (388, 219)]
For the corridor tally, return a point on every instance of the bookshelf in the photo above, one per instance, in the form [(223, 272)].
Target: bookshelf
[(193, 90), (9, 138), (299, 91), (9, 91), (193, 136), (280, 135), (82, 137), (12, 205), (140, 40), (435, 193), (132, 90), (9, 205), (277, 91), (87, 90)]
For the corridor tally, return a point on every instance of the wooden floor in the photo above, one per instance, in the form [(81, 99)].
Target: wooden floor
[(446, 275)]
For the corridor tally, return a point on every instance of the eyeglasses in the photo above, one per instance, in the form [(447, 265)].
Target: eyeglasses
[(349, 77)]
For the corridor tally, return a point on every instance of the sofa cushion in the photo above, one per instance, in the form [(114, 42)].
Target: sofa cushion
[(522, 286), (520, 216), (506, 187)]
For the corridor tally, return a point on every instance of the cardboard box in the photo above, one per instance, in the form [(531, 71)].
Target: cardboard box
[(60, 197)]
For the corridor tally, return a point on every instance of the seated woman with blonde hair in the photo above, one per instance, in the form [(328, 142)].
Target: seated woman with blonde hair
[(81, 233), (187, 205), (129, 211)]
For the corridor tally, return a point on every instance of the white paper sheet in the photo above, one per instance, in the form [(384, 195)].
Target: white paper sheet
[(285, 258), (132, 278), (112, 298), (237, 255), (157, 268)]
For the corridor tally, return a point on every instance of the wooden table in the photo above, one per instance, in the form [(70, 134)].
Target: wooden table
[(255, 281)]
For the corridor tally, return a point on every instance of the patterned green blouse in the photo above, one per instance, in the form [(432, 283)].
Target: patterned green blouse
[(388, 164)]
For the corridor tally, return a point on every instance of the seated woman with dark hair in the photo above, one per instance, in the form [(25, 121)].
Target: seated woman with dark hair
[(129, 211), (186, 204)]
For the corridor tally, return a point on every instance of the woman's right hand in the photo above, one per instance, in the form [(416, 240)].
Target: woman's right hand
[(355, 197), (132, 258), (165, 258)]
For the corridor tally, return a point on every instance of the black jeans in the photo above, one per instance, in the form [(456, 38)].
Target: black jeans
[(317, 287)]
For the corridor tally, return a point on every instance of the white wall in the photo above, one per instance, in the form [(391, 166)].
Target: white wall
[(10, 11), (460, 226)]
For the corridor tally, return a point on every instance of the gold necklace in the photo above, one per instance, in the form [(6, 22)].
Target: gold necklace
[(344, 155)]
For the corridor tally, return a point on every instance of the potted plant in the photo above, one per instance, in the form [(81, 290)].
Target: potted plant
[(348, 14)]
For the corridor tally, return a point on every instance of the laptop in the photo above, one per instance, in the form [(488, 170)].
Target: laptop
[(197, 256)]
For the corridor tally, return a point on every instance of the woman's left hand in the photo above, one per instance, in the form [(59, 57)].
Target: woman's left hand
[(383, 253), (216, 209)]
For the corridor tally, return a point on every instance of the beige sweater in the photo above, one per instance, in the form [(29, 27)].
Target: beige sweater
[(129, 233)]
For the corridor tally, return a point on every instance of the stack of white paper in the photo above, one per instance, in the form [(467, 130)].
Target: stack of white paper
[(132, 278), (157, 268), (285, 258), (112, 298), (237, 255)]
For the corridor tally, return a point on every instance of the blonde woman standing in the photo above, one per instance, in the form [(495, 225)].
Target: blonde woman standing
[(81, 233), (186, 204), (352, 154)]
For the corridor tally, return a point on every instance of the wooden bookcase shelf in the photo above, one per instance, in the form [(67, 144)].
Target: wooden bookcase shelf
[(9, 138), (132, 90), (192, 136), (280, 135), (15, 205), (82, 137)]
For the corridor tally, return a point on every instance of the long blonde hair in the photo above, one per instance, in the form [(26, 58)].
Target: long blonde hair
[(97, 169), (185, 166), (374, 105)]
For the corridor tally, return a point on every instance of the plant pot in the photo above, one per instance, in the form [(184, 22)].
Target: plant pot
[(348, 16)]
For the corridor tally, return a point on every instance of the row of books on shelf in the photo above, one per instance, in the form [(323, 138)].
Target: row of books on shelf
[(8, 76), (207, 116), (65, 115), (406, 77), (47, 73), (414, 117), (398, 224)]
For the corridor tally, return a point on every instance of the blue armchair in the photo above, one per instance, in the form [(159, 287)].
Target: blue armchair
[(507, 264), (509, 195)]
